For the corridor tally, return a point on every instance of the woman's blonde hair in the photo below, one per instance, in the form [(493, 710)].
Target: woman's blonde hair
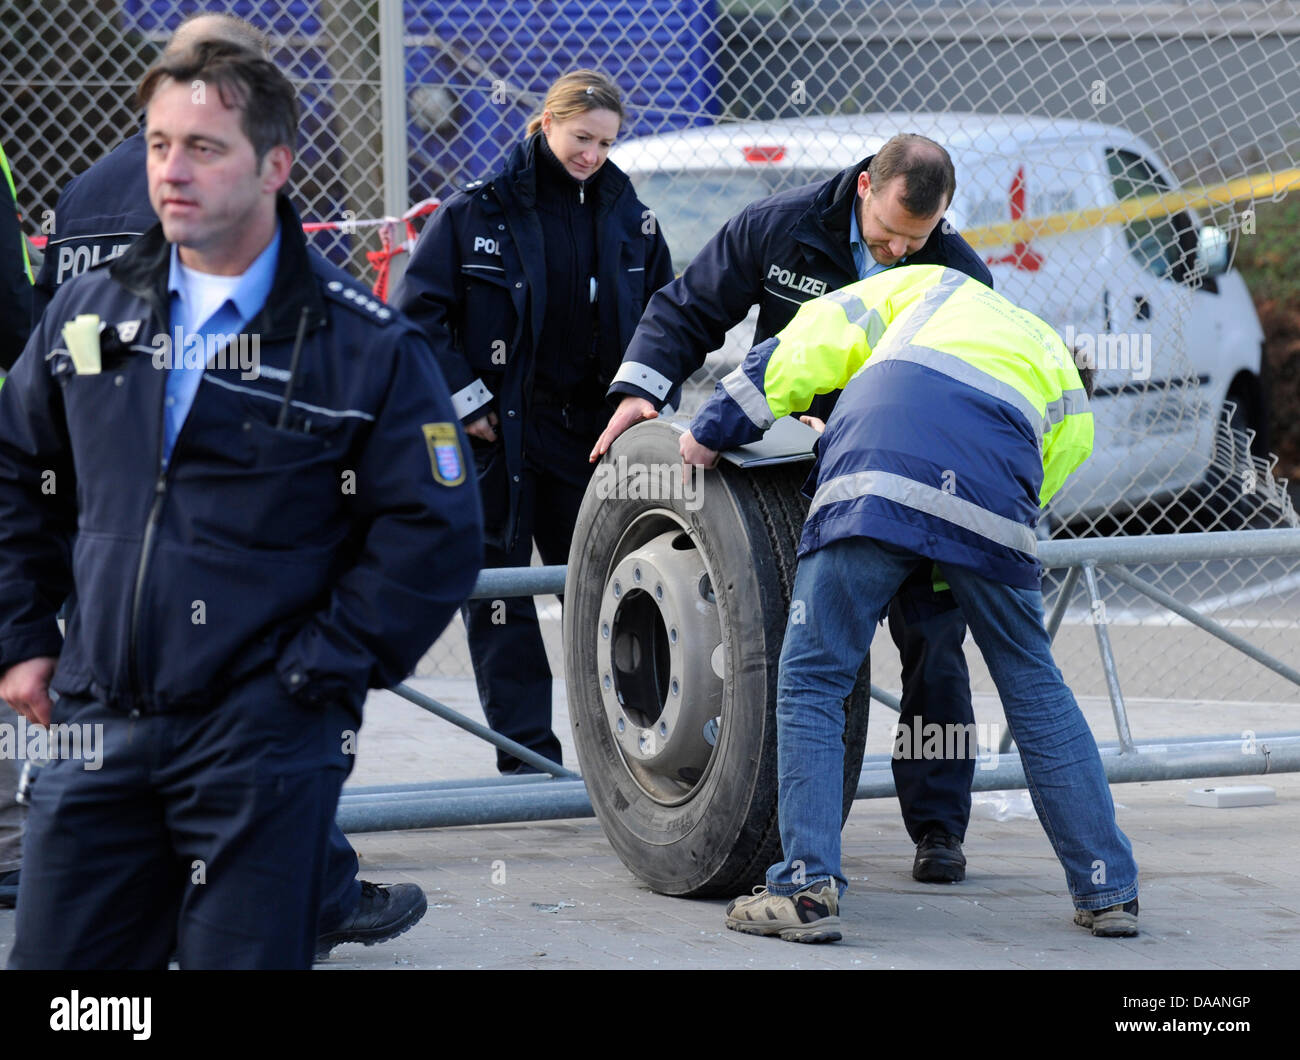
[(577, 92)]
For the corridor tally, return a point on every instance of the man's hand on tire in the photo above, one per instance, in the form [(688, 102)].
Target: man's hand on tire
[(630, 410), (695, 453)]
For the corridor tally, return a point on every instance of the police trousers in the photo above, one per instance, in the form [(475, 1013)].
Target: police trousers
[(203, 834)]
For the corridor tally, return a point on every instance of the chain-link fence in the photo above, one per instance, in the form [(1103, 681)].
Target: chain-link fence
[(70, 67), (1110, 162)]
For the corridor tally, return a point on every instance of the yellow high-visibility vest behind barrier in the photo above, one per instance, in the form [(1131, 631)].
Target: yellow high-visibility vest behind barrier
[(13, 194)]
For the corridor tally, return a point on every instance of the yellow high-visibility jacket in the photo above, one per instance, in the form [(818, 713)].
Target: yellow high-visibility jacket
[(961, 415)]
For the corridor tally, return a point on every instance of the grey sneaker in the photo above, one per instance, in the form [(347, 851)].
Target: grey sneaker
[(806, 916), (1115, 922)]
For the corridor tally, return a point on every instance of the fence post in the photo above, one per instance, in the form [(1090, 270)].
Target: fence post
[(392, 95), (1099, 624)]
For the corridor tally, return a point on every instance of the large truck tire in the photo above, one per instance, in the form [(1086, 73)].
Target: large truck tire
[(675, 608)]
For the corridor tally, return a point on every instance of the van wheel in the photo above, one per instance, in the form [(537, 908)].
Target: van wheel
[(675, 610)]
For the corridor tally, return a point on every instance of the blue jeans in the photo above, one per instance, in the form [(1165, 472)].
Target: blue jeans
[(844, 586)]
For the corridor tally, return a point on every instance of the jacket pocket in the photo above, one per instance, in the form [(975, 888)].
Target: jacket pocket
[(303, 438), (247, 483), (99, 618), (490, 320)]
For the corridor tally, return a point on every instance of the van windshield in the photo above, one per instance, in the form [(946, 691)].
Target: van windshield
[(691, 206)]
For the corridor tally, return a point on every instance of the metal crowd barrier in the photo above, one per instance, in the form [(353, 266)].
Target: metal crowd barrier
[(559, 793)]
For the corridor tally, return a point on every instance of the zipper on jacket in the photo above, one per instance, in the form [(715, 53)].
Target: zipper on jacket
[(142, 569), (525, 328), (155, 512), (165, 465), (146, 544)]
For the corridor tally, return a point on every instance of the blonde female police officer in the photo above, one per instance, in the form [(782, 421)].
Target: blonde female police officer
[(529, 286)]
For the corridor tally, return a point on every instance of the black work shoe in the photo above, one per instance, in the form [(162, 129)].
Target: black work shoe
[(384, 912), (9, 889), (1115, 922), (939, 859)]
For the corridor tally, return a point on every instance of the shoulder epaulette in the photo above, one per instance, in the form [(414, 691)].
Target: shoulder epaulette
[(361, 300)]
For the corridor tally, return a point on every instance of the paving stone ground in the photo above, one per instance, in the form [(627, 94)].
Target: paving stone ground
[(1220, 888)]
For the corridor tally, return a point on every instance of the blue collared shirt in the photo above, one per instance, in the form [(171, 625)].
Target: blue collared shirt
[(231, 316), (861, 255)]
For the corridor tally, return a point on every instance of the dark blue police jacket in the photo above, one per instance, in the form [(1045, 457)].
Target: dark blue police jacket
[(99, 214), (334, 548), (777, 253), (476, 284)]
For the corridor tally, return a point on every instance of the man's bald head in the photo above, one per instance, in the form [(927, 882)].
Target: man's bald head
[(218, 27), (929, 179)]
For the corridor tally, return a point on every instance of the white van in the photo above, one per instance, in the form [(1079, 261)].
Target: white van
[(1173, 329)]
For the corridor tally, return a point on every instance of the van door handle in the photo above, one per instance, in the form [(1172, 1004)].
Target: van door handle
[(1141, 307)]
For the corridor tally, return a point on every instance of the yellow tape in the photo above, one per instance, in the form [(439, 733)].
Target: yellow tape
[(1261, 185)]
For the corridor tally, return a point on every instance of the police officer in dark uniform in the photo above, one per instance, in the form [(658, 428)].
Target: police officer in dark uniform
[(778, 253), (15, 310), (262, 532), (530, 285), (100, 213)]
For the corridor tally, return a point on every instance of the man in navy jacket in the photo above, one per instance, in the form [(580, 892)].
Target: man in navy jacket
[(100, 212), (778, 253), (247, 476)]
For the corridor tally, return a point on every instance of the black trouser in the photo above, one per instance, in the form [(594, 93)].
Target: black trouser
[(340, 889), (929, 630), (505, 640), (203, 834)]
